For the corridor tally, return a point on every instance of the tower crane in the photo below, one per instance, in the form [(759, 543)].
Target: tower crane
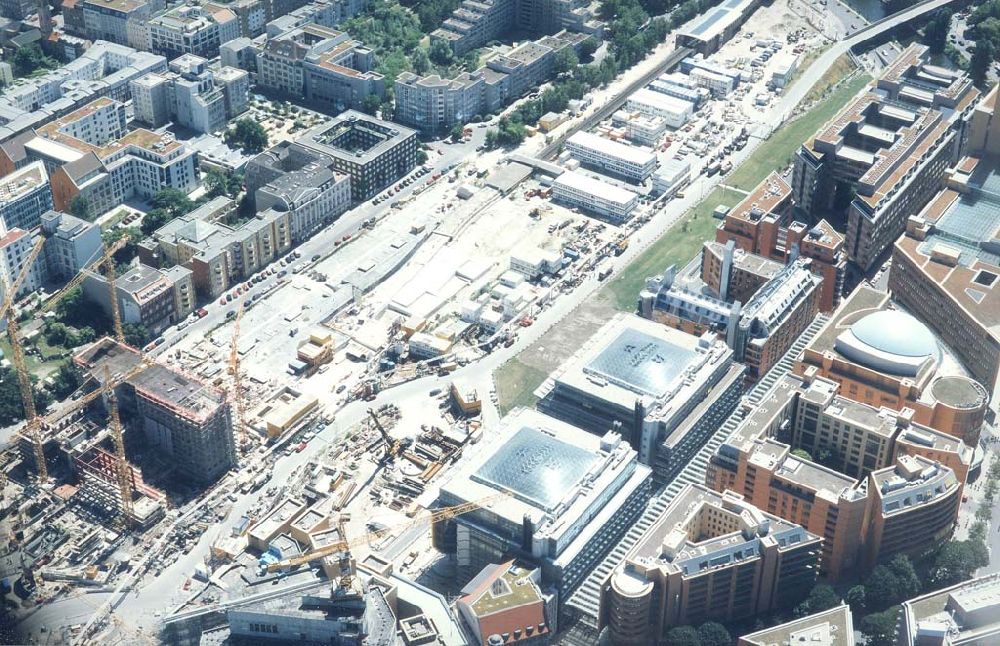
[(33, 424), (237, 387), (75, 282), (438, 515), (116, 314), (122, 469)]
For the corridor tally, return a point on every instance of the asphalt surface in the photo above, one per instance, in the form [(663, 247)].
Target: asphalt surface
[(139, 607)]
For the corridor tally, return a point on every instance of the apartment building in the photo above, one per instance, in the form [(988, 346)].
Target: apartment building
[(890, 148), (433, 105), (251, 15), (217, 254), (192, 29), (301, 183), (89, 153), (70, 244), (15, 246), (595, 196), (762, 224), (860, 518), (24, 195), (632, 163), (325, 13), (945, 268), (116, 21), (733, 274), (104, 70), (476, 22), (192, 95), (323, 65), (886, 358), (709, 557), (146, 296), (372, 152)]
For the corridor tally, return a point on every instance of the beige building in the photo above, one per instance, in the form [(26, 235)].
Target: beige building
[(862, 516), (710, 557), (884, 357)]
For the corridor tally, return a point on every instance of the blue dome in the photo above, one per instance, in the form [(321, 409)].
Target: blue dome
[(895, 332)]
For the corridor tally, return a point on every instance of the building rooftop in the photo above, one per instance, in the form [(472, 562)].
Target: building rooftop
[(22, 181), (355, 136), (914, 480), (768, 196), (633, 154), (965, 614), (504, 599), (184, 394), (593, 186), (702, 529), (834, 627)]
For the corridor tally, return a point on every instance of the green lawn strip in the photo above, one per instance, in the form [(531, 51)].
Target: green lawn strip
[(516, 384)]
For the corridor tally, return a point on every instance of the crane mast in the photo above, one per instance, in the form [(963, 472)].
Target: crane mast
[(237, 389), (122, 470)]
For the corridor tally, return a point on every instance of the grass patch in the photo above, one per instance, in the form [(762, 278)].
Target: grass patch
[(113, 221), (516, 384), (841, 69), (684, 240)]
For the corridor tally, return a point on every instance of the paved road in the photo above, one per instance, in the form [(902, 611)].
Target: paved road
[(139, 608)]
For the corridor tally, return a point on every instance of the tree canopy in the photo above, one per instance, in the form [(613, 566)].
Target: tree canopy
[(248, 135), (29, 59)]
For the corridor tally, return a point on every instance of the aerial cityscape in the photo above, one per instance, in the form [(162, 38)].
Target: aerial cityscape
[(500, 322)]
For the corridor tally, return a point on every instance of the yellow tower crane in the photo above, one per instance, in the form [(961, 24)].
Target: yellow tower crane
[(116, 314), (75, 282), (237, 387), (33, 426), (122, 469)]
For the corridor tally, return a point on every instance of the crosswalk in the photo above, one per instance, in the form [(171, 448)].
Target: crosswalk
[(585, 600)]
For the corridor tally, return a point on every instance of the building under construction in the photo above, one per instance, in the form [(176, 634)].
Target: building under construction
[(188, 422)]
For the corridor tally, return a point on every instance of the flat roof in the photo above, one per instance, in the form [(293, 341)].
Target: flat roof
[(834, 627), (634, 154), (596, 187)]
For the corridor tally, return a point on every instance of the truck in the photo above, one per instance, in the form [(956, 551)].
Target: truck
[(621, 246), (604, 269)]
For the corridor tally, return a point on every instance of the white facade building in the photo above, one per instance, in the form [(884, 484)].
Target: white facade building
[(634, 163), (600, 198), (656, 104)]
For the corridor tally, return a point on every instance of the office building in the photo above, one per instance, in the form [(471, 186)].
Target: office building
[(833, 627), (192, 29), (191, 95), (239, 53), (24, 195), (632, 163), (553, 490), (507, 599), (781, 303), (595, 196), (186, 421), (104, 70), (762, 224), (304, 186), (661, 389), (219, 254), (884, 357), (717, 80), (70, 244), (709, 557), (774, 318), (680, 86), (674, 111), (945, 268), (147, 296), (890, 148), (372, 152), (965, 614), (88, 153), (716, 26), (863, 518), (325, 66)]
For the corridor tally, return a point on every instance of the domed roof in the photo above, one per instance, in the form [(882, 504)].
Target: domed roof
[(888, 341), (895, 332)]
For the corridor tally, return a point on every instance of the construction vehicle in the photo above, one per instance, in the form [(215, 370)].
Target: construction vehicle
[(621, 246), (436, 516), (393, 447)]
